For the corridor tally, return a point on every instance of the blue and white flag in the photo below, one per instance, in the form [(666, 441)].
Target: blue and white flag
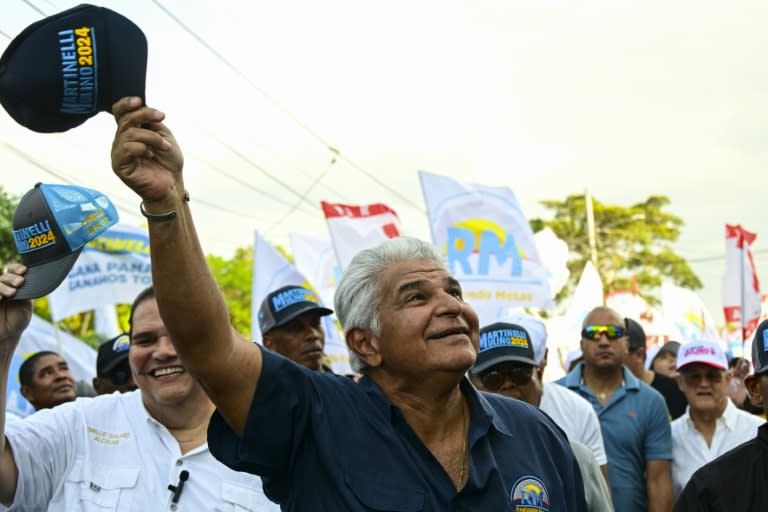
[(112, 269), (488, 245)]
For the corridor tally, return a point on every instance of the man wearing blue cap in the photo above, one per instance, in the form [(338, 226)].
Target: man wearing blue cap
[(290, 323), (737, 480)]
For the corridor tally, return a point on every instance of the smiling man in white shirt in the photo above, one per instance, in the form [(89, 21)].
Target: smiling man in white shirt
[(712, 424)]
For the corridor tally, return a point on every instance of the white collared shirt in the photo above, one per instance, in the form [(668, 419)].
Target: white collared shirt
[(690, 450), (109, 453), (575, 416)]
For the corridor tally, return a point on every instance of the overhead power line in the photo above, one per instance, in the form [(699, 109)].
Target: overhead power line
[(36, 8), (721, 257), (285, 111)]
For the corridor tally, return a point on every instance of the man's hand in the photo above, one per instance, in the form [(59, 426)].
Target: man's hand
[(14, 314), (145, 154)]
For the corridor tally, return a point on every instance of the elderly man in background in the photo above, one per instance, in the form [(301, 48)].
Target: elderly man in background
[(506, 365), (737, 479), (413, 434), (712, 425)]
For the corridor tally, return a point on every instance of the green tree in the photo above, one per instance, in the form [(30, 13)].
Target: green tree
[(634, 244), (234, 277), (8, 204)]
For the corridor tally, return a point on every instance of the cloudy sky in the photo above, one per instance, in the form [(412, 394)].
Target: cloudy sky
[(279, 105)]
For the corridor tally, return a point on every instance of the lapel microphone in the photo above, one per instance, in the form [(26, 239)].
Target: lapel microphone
[(176, 489)]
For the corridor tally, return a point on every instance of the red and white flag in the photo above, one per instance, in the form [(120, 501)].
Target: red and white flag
[(357, 227), (741, 288)]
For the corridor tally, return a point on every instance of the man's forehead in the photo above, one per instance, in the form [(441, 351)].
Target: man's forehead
[(605, 316), (49, 360)]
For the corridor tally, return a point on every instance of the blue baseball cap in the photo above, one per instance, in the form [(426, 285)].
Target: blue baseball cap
[(503, 342), (51, 225), (286, 303), (760, 348)]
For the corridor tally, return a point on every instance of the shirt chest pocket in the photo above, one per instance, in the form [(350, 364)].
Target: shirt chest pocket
[(236, 497), (382, 496), (102, 488)]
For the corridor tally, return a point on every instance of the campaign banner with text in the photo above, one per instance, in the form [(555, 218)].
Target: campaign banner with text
[(272, 271), (112, 269), (488, 245), (357, 227), (741, 288)]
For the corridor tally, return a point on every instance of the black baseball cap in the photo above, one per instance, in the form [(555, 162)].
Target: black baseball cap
[(503, 342), (65, 68), (51, 226), (286, 303), (760, 348), (111, 353), (635, 333)]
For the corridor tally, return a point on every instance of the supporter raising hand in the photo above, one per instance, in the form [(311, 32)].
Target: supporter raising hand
[(145, 154)]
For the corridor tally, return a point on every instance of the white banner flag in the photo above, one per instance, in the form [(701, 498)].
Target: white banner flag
[(741, 288), (41, 335), (112, 269), (272, 271), (315, 258), (488, 243), (554, 255), (354, 228), (685, 314)]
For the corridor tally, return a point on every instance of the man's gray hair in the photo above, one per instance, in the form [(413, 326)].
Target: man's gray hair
[(358, 295)]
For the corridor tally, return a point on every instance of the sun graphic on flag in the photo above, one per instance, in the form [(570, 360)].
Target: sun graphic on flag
[(478, 227)]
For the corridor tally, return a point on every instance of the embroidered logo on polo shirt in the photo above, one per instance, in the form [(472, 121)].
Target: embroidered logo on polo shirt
[(530, 495)]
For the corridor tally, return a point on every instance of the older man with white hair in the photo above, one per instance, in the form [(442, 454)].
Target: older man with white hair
[(712, 424)]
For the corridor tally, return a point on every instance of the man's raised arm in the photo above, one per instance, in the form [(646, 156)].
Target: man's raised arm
[(14, 318), (147, 158)]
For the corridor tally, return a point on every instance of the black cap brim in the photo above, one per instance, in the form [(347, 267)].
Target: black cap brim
[(500, 358), (41, 280), (300, 311)]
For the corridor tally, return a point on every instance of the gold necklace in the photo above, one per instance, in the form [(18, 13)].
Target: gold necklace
[(466, 446)]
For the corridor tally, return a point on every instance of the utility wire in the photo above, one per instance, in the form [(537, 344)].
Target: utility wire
[(36, 8), (250, 186), (256, 166), (285, 111), (311, 186), (705, 259)]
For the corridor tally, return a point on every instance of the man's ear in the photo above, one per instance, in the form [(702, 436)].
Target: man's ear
[(363, 343), (268, 342), (752, 383), (27, 393)]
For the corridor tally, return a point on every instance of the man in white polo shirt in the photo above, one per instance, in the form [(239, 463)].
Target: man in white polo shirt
[(712, 424), (140, 450)]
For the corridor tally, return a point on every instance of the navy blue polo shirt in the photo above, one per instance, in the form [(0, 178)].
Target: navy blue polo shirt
[(324, 442)]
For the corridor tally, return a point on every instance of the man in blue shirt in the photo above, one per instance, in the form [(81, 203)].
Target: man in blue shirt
[(413, 435), (633, 416)]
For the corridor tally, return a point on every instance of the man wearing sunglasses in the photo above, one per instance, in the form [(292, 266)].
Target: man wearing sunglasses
[(712, 425), (113, 372), (737, 479), (633, 416), (507, 365)]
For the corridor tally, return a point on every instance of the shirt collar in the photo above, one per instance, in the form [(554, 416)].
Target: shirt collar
[(573, 379)]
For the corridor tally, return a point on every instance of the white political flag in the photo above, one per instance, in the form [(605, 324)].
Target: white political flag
[(686, 316), (315, 258), (272, 271), (554, 255), (488, 244), (357, 227), (741, 288), (112, 269)]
